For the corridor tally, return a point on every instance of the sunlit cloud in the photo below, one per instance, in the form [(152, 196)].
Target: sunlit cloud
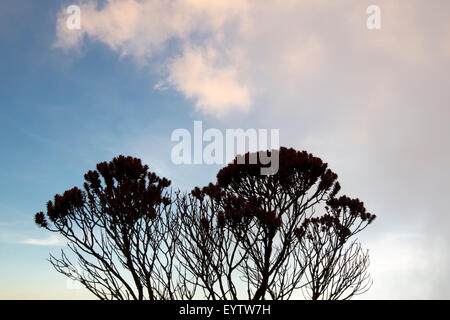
[(216, 89), (142, 29), (230, 52)]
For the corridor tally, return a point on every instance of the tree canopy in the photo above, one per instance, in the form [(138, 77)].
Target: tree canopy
[(247, 236)]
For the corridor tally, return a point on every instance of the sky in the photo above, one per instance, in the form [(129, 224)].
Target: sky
[(372, 103)]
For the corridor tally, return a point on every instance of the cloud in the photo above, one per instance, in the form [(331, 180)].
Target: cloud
[(50, 241), (245, 48), (215, 89), (401, 265), (142, 29)]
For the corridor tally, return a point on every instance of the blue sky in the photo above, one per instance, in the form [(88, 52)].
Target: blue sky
[(55, 126), (373, 104)]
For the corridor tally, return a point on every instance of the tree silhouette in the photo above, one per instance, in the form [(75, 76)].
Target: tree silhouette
[(262, 232), (120, 232), (247, 236)]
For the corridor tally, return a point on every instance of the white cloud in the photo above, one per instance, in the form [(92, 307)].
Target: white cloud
[(232, 52), (141, 29), (50, 241), (216, 89)]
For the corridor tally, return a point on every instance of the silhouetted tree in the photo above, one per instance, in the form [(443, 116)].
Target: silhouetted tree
[(120, 232), (246, 236), (262, 233)]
